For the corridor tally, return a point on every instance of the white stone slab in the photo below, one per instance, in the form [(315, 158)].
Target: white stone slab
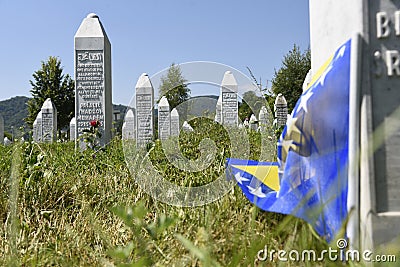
[(144, 110), (49, 121), (164, 119), (175, 122), (229, 99), (93, 90)]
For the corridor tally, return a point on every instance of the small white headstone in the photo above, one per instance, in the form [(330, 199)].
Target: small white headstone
[(49, 121), (307, 80), (72, 126), (174, 122), (253, 122), (281, 111), (1, 129), (39, 131), (164, 119), (128, 127), (144, 110), (263, 118), (35, 131), (229, 99), (186, 127), (7, 141), (218, 109)]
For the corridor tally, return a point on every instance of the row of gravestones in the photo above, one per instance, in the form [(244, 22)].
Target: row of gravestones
[(93, 97)]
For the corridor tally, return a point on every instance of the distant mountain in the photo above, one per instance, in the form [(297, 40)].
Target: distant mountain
[(14, 111)]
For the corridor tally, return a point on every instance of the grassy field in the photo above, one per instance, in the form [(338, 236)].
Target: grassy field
[(65, 208)]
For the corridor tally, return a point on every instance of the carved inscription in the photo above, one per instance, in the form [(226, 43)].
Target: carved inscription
[(229, 108), (90, 88), (144, 111), (387, 25)]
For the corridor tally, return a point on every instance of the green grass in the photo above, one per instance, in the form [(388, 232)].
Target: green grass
[(80, 209)]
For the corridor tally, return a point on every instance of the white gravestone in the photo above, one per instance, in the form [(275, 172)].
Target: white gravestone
[(39, 127), (72, 127), (128, 128), (281, 111), (218, 109), (374, 133), (253, 122), (49, 121), (7, 141), (263, 118), (93, 92), (1, 129), (174, 122), (186, 127), (164, 119), (35, 130), (229, 99), (144, 110)]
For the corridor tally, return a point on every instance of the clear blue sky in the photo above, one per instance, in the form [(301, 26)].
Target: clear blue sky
[(147, 36)]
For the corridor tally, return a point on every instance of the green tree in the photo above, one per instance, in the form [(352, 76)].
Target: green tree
[(251, 104), (50, 82), (289, 79), (174, 87)]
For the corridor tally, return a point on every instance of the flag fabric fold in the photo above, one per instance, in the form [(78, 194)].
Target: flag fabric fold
[(309, 180)]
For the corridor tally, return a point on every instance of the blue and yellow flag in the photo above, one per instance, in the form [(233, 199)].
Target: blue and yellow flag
[(309, 180)]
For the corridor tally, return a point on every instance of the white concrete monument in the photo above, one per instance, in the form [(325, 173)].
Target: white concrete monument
[(128, 127), (72, 127), (374, 134), (93, 93), (175, 122), (164, 119), (49, 121), (1, 129), (144, 110), (218, 109), (263, 118), (186, 127), (281, 110), (229, 100), (253, 122), (39, 132)]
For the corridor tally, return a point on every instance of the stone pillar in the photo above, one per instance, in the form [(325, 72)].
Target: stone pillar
[(218, 109), (164, 119), (72, 128), (93, 92), (39, 127), (374, 134), (175, 122), (263, 118), (49, 121), (128, 128), (144, 110), (229, 99), (1, 129), (281, 111)]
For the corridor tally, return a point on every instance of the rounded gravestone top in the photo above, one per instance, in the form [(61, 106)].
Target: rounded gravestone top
[(92, 16)]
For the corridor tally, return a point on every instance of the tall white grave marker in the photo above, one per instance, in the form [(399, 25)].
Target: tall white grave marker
[(218, 109), (72, 128), (49, 121), (164, 119), (229, 105), (374, 120), (281, 110), (1, 129), (144, 110), (128, 128), (93, 93), (175, 122)]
